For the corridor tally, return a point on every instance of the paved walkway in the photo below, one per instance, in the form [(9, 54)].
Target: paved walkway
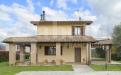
[(78, 70), (103, 62), (82, 68)]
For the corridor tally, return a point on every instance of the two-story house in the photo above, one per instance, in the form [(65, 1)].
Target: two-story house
[(56, 41)]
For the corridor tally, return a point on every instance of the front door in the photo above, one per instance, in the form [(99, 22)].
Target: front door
[(77, 54)]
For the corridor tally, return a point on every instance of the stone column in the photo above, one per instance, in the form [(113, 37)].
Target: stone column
[(88, 53), (58, 53), (33, 53), (22, 53), (7, 47), (108, 54), (12, 54)]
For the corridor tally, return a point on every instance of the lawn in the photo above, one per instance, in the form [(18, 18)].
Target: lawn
[(12, 70), (103, 67)]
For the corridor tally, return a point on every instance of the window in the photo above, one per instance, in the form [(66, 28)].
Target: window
[(76, 30), (50, 50), (61, 50)]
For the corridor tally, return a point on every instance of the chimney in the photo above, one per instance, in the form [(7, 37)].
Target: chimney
[(79, 18), (42, 16)]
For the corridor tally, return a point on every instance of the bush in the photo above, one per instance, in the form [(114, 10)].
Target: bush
[(115, 57), (4, 56), (27, 56), (100, 52)]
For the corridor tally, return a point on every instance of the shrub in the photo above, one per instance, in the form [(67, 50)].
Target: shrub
[(27, 56), (4, 56), (53, 62), (115, 57), (100, 52), (46, 61), (61, 61)]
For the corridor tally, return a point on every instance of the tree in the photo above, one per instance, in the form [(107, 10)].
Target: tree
[(117, 41), (117, 36)]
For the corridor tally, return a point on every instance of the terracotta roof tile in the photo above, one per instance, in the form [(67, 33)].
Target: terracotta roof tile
[(104, 42), (50, 38), (61, 22)]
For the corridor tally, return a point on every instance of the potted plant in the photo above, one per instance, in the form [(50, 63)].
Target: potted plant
[(61, 61), (46, 61)]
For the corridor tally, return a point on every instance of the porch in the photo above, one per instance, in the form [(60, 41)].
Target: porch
[(68, 49), (57, 53)]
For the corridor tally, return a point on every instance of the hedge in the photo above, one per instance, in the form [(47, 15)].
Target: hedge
[(4, 56)]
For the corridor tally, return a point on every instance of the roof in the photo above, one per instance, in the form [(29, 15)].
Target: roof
[(61, 22), (104, 42), (50, 38)]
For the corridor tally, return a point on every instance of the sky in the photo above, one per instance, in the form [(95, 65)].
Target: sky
[(15, 15)]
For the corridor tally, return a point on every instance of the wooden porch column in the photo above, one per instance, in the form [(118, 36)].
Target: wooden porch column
[(58, 53), (22, 53), (12, 54), (33, 53)]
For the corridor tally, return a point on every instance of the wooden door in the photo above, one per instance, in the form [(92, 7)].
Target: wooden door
[(77, 54)]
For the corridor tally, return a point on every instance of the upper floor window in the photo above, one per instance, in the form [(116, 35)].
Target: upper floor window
[(76, 30)]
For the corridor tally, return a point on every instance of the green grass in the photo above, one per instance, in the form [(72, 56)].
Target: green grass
[(12, 70), (103, 68), (98, 59)]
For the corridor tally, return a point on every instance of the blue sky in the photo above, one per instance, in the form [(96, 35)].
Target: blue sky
[(15, 15), (38, 4)]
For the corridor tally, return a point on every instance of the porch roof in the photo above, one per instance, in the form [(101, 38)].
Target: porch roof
[(104, 42), (50, 38), (61, 22)]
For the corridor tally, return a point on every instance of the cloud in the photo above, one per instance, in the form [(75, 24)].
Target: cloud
[(4, 16), (30, 5), (52, 14), (108, 15), (64, 3), (3, 34), (84, 14), (16, 19)]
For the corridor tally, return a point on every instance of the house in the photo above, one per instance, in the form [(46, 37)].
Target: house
[(56, 41)]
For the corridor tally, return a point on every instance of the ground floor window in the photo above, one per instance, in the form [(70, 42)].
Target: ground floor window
[(50, 50), (61, 50)]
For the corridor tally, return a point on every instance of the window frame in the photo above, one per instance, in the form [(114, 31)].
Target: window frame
[(76, 30), (47, 50)]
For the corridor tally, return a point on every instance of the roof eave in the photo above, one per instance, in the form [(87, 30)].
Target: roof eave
[(38, 22)]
